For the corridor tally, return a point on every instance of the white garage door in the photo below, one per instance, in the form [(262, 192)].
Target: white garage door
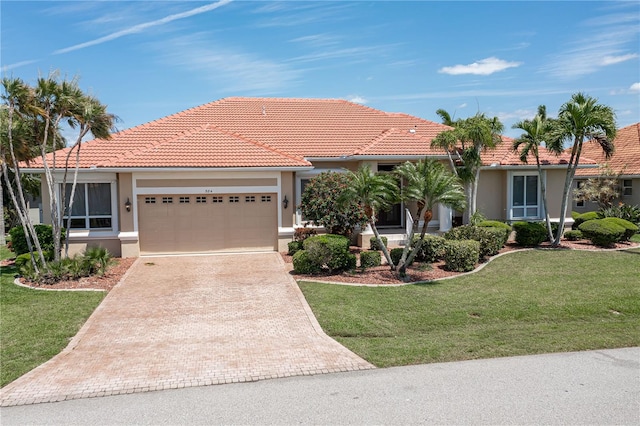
[(171, 223)]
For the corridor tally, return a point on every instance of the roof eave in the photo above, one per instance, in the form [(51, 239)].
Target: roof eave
[(184, 169), (376, 157)]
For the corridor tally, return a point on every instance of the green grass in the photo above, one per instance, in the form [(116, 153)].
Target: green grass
[(523, 303), (35, 325), (635, 238)]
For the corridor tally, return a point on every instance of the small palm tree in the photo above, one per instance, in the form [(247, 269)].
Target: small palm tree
[(428, 183), (536, 133), (375, 192), (580, 119)]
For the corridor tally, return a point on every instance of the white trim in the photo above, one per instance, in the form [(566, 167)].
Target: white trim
[(163, 170), (206, 190), (128, 236), (93, 234), (510, 175)]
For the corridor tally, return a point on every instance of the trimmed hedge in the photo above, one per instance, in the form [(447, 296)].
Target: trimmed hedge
[(602, 233), (461, 255), (491, 239), (580, 218), (325, 251), (304, 264), (432, 248), (630, 229), (45, 236), (369, 259), (530, 233), (497, 224), (396, 254), (294, 247), (373, 243), (573, 235)]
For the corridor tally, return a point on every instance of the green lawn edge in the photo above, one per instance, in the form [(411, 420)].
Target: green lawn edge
[(522, 303), (36, 325)]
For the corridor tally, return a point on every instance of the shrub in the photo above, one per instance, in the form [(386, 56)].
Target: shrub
[(573, 235), (303, 264), (25, 258), (497, 224), (330, 251), (352, 262), (461, 255), (432, 248), (373, 243), (294, 247), (44, 233), (602, 233), (623, 211), (301, 234), (629, 228), (369, 259), (491, 239), (530, 233), (396, 254), (320, 203), (98, 260), (579, 219)]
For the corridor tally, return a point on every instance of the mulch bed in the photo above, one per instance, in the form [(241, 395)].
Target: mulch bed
[(377, 275), (435, 271)]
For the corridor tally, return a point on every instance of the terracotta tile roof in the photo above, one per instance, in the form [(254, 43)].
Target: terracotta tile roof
[(262, 132), (626, 157), (503, 155)]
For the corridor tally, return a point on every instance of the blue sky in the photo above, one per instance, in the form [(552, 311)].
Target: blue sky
[(149, 59)]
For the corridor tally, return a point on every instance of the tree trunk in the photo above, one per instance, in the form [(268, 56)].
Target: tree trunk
[(384, 249), (543, 190), (571, 170), (83, 132), (406, 257)]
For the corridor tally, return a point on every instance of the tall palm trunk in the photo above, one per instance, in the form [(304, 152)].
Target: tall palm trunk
[(543, 190), (78, 144), (573, 163)]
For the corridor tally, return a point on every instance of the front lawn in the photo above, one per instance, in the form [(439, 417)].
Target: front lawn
[(528, 302), (35, 325)]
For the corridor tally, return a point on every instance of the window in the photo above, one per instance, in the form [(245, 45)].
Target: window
[(149, 200), (91, 207), (524, 197), (167, 200), (184, 200), (250, 199), (266, 198), (234, 199), (217, 199), (201, 200), (579, 185), (627, 187)]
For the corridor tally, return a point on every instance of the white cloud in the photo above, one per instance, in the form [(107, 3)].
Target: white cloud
[(9, 67), (519, 114), (635, 88), (610, 60), (229, 70), (356, 99), (144, 26), (464, 105), (485, 66)]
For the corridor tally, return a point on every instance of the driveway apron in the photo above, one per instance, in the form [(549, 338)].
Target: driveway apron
[(183, 321)]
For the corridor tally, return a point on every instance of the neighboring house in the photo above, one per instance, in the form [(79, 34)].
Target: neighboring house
[(227, 175), (624, 161)]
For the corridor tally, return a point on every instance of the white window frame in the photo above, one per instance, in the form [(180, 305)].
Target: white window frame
[(627, 187), (88, 232), (510, 206)]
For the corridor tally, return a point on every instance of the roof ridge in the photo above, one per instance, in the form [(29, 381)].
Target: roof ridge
[(374, 141)]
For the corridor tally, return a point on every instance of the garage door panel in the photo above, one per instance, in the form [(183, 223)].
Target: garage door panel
[(205, 223)]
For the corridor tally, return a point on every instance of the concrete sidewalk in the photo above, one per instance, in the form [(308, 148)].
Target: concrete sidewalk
[(580, 388), (184, 321)]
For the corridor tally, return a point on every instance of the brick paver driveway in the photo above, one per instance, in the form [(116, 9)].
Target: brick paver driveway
[(189, 321)]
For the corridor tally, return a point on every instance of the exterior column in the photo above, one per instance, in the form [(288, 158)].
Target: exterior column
[(445, 216)]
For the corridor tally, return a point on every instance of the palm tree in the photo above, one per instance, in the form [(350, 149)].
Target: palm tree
[(536, 133), (375, 192), (581, 119), (88, 115), (467, 140), (428, 183), (17, 97)]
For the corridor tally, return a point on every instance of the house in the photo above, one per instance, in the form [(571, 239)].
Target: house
[(624, 161), (227, 175)]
